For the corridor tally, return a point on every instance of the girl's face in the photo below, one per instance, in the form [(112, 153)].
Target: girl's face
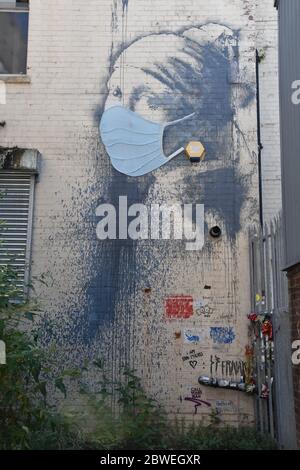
[(168, 76), (164, 77)]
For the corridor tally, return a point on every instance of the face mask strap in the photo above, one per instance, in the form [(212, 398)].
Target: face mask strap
[(171, 123)]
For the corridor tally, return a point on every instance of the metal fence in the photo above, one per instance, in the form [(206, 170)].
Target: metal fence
[(271, 332)]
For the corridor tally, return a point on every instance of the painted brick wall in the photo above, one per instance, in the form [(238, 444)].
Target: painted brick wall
[(162, 59), (267, 46), (294, 295)]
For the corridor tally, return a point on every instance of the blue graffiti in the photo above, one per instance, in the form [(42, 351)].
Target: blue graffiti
[(192, 338), (192, 78), (222, 335)]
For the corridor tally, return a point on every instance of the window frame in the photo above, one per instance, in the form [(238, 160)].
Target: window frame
[(21, 77), (28, 254), (17, 8)]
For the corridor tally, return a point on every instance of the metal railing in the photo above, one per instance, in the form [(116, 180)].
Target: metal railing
[(274, 404)]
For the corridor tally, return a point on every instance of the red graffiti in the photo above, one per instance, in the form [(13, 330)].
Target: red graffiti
[(197, 402), (178, 306)]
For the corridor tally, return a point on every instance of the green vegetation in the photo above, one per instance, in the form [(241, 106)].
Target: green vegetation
[(197, 437), (141, 423), (29, 421)]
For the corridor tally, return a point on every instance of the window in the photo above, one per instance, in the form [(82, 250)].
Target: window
[(16, 207), (13, 36)]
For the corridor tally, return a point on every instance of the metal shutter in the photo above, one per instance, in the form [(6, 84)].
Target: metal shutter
[(16, 205)]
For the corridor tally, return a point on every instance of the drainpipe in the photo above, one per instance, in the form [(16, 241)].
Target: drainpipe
[(260, 146)]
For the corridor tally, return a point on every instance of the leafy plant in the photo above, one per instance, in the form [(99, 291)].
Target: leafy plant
[(120, 415), (139, 421), (199, 437), (214, 417), (27, 419)]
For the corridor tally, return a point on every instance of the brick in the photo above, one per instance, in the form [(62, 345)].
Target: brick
[(70, 44)]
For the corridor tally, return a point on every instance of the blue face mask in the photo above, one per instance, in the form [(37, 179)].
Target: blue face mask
[(134, 144)]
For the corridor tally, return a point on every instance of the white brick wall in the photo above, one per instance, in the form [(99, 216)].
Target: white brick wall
[(70, 43), (267, 45)]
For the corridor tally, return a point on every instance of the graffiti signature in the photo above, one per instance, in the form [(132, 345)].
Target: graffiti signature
[(222, 335), (197, 402), (206, 311)]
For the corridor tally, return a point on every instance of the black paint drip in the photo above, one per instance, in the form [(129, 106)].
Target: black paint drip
[(125, 5)]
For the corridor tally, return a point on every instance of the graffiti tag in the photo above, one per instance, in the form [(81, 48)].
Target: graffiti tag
[(192, 357), (196, 392), (225, 405), (179, 306), (192, 336), (222, 335), (193, 364), (227, 368), (206, 311), (197, 402)]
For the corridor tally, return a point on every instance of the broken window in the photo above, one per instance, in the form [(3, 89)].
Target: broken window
[(13, 36)]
